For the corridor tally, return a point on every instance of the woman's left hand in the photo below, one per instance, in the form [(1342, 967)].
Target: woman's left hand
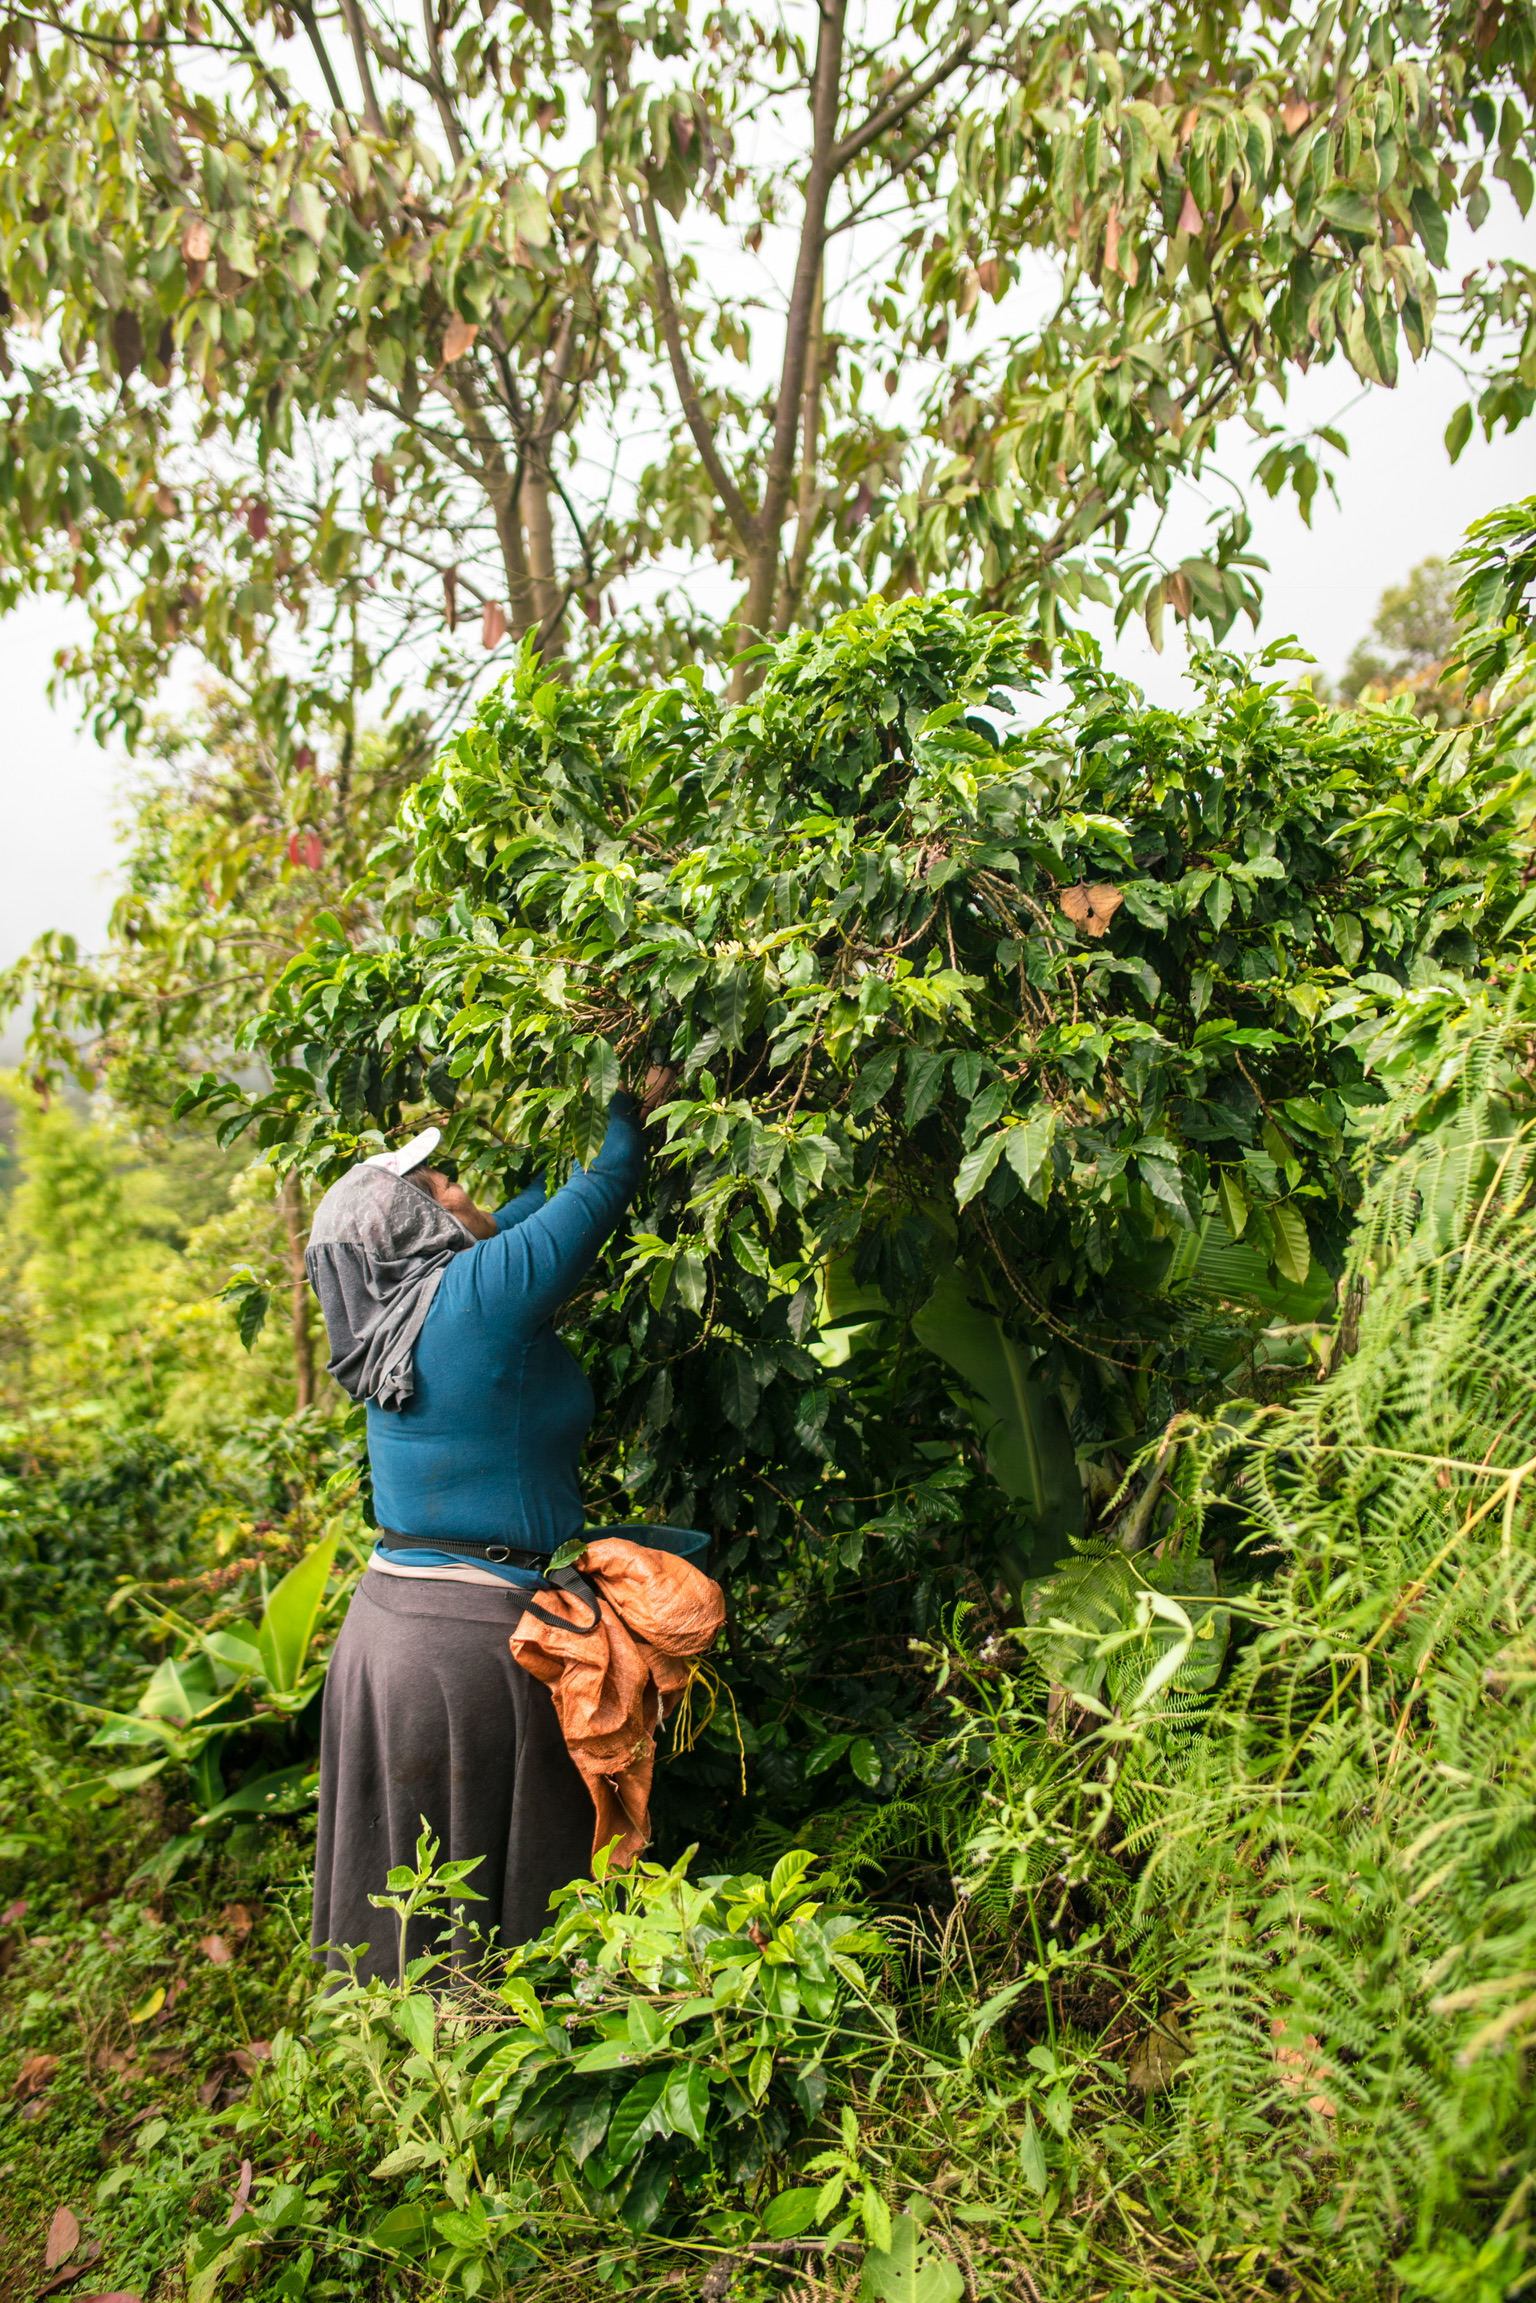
[(660, 1080)]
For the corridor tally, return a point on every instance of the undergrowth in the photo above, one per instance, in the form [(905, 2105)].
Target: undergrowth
[(1194, 1960)]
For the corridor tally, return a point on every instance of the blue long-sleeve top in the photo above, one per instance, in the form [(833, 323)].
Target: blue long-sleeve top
[(489, 1443)]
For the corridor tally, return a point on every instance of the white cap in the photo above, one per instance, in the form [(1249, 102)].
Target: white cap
[(410, 1155)]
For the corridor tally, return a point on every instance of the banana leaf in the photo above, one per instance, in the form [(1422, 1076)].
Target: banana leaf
[(1023, 1430)]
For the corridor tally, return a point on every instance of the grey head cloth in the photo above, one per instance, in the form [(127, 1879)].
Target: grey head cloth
[(378, 1248)]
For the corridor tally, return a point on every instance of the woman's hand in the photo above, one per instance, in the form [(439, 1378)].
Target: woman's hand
[(660, 1080), (454, 1200)]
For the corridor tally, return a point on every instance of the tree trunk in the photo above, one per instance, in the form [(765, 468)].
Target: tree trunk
[(296, 1225), (543, 575), (755, 618), (808, 499)]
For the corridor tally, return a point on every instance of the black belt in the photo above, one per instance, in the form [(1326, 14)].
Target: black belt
[(503, 1555)]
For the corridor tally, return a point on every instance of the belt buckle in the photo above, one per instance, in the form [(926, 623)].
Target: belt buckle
[(498, 1552)]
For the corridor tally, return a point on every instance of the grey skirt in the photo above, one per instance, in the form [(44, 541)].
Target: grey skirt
[(426, 1715)]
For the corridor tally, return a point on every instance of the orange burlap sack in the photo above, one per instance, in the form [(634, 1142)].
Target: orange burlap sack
[(613, 1688)]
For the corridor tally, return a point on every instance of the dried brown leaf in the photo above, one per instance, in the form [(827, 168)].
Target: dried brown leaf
[(1091, 908), (35, 2073), (1299, 2067), (63, 2237)]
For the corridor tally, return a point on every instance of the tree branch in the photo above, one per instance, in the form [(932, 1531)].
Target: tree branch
[(251, 57), (306, 17), (438, 85), (890, 115), (352, 17), (736, 508), (756, 613)]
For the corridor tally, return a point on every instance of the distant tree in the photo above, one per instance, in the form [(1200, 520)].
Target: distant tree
[(240, 849), (1406, 650)]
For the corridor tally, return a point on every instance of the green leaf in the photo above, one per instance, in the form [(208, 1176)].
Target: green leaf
[(586, 2125), (646, 2025), (1232, 1200), (283, 1792), (289, 1618), (1293, 1249), (1032, 2164), (786, 1882), (249, 1303), (685, 2104), (978, 1164), (925, 1077), (416, 2021), (1349, 211), (1166, 1184), (632, 2122), (900, 2273), (739, 1390), (865, 1762), (406, 2159), (790, 2213), (688, 1271), (405, 2230), (874, 1080), (1028, 1145)]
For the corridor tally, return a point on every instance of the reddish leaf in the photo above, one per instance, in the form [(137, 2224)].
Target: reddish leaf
[(196, 241), (1190, 218), (1294, 115), (14, 1911), (303, 760), (314, 850), (989, 272), (35, 2073), (63, 2237), (1179, 594), (88, 2255), (493, 625), (458, 337), (259, 2051), (237, 1919), (242, 2193), (212, 2087), (215, 1948), (258, 519), (166, 503)]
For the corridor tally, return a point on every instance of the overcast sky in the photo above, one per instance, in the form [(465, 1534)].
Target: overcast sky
[(1400, 500)]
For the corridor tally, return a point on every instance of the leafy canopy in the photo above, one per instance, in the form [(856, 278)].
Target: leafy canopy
[(979, 1013), (334, 346)]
